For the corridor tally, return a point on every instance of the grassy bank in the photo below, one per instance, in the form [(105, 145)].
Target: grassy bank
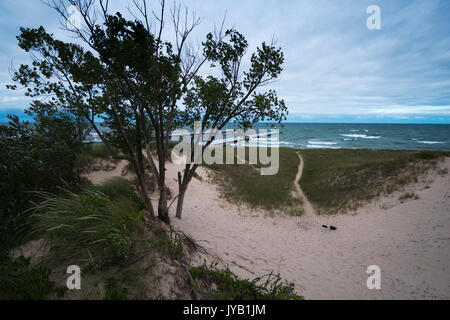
[(243, 184), (334, 180), (338, 180)]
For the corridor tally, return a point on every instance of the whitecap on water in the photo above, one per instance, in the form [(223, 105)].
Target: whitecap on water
[(319, 146), (430, 142), (363, 136), (316, 142)]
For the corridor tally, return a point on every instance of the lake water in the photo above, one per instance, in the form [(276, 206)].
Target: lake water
[(358, 136), (372, 136)]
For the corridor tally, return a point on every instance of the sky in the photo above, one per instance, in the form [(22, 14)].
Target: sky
[(336, 69)]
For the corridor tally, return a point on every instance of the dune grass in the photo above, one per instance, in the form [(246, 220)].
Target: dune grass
[(334, 180), (94, 225), (90, 151), (243, 183), (101, 229), (340, 180)]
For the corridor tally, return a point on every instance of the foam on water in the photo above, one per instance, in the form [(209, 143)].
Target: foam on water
[(431, 142), (318, 146), (321, 142), (286, 143), (363, 136)]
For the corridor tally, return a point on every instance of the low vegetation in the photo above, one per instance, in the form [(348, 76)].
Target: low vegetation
[(19, 280), (89, 152), (334, 180), (344, 179), (243, 183), (222, 284), (101, 229), (94, 225)]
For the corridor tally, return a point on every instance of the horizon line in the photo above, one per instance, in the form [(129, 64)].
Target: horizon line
[(296, 122)]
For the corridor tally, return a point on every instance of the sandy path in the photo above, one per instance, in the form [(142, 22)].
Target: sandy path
[(98, 177), (308, 208)]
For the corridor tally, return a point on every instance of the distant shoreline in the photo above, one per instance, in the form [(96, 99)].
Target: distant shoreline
[(290, 122)]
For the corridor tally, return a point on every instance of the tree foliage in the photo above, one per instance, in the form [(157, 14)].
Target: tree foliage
[(35, 156)]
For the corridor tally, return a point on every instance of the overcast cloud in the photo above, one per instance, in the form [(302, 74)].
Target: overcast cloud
[(336, 69)]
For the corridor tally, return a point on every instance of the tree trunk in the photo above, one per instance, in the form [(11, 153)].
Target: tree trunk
[(183, 183), (143, 189), (147, 200), (163, 211), (180, 201)]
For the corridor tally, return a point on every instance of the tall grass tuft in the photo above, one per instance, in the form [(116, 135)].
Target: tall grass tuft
[(121, 189), (92, 226)]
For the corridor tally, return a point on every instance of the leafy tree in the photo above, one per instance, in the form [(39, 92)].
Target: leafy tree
[(215, 101), (127, 74)]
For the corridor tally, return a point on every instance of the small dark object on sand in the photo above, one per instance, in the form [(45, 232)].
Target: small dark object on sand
[(333, 228), (325, 226)]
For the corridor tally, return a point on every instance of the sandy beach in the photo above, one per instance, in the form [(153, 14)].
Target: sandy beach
[(408, 241)]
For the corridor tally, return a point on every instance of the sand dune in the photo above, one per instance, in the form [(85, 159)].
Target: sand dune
[(408, 241)]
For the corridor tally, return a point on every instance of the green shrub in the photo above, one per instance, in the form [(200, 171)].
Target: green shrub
[(229, 286), (176, 246), (169, 244), (37, 156), (21, 281), (114, 291)]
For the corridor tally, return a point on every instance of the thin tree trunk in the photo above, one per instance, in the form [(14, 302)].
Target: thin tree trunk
[(147, 200), (163, 211), (143, 189), (180, 201)]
